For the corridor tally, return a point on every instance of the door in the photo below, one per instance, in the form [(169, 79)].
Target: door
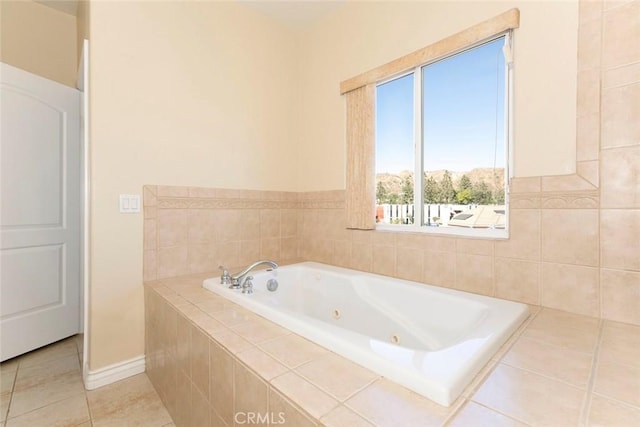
[(40, 211)]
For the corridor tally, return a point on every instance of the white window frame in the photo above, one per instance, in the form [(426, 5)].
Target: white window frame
[(417, 226)]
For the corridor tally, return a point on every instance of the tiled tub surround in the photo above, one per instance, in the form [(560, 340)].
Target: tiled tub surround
[(426, 338), (210, 359)]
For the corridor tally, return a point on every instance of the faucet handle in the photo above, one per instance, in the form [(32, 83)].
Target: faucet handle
[(247, 286), (225, 277)]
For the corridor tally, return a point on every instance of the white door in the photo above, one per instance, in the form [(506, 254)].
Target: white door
[(39, 213)]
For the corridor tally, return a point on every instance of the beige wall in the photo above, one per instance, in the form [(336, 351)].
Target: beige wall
[(364, 35), (182, 93), (39, 39)]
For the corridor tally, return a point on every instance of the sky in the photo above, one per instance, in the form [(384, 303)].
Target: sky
[(463, 114)]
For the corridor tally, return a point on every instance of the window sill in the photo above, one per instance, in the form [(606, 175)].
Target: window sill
[(477, 233)]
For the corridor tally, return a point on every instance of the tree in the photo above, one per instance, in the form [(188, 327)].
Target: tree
[(482, 194), (430, 193), (447, 192), (382, 194), (464, 194), (406, 195)]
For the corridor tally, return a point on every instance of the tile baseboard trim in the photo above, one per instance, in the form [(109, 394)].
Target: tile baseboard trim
[(112, 373)]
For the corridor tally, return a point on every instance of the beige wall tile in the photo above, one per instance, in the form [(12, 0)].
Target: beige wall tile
[(286, 413), (182, 413), (530, 397), (524, 236), (149, 197), (270, 248), (280, 348), (571, 288), (621, 177), (517, 280), (361, 256), (570, 236), (588, 137), (589, 10), (409, 263), (473, 414), (436, 243), (474, 246), (201, 226), (474, 273), (336, 375), (341, 253), (620, 344), (200, 410), (172, 227), (227, 225), (619, 243), (525, 185), (264, 365), (618, 382), (588, 92), (606, 412), (564, 184), (620, 295), (289, 222), (589, 170), (562, 329), (201, 258), (589, 42), (221, 382), (150, 235), (621, 76), (259, 330), (620, 111), (199, 360), (384, 260), (269, 223), (344, 417), (621, 32), (249, 252), (316, 402), (172, 191), (172, 262), (250, 392), (549, 360), (289, 248), (412, 240), (384, 403), (150, 265), (439, 268)]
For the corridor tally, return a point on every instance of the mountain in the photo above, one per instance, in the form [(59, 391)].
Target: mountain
[(393, 182)]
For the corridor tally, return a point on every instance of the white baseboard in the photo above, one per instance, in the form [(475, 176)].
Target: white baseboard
[(112, 373)]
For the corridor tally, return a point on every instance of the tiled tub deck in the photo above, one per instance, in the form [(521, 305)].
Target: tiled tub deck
[(212, 361)]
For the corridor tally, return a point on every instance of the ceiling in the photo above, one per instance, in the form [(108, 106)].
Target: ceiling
[(67, 6), (295, 14)]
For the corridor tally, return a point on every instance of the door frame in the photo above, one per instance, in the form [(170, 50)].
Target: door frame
[(83, 85)]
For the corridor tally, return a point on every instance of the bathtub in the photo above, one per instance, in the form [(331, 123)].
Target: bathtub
[(429, 339)]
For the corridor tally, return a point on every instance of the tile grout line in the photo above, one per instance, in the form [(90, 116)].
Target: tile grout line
[(586, 406)]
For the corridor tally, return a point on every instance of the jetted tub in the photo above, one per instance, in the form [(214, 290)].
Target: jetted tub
[(429, 339)]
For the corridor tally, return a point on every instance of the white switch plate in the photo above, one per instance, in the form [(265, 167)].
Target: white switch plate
[(129, 203)]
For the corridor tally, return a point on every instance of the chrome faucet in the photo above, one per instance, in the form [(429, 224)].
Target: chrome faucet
[(237, 280)]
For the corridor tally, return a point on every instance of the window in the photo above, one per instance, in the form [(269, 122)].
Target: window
[(441, 137)]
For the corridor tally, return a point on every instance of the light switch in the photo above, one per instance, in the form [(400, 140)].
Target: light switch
[(129, 203)]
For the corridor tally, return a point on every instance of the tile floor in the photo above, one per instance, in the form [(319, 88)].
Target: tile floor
[(44, 388)]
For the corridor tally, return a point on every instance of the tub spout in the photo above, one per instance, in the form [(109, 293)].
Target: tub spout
[(238, 279)]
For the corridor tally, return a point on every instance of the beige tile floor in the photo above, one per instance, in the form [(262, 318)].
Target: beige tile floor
[(44, 388)]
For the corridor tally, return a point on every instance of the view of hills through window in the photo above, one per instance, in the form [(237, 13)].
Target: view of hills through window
[(461, 108)]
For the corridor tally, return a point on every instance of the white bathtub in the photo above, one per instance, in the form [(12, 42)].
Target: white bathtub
[(429, 339)]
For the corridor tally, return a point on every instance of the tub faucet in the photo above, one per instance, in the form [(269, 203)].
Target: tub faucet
[(238, 279)]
